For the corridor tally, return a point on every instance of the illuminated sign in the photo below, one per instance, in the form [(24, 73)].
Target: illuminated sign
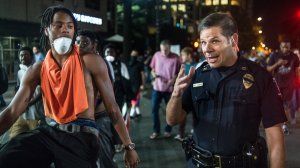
[(88, 19)]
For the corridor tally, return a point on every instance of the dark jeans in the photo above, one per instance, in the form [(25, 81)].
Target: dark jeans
[(295, 102), (157, 97), (190, 164), (107, 140), (44, 145)]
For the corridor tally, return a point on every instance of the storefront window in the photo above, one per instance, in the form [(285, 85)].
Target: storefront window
[(224, 2)]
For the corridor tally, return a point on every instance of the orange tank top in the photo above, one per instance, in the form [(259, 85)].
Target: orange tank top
[(63, 88)]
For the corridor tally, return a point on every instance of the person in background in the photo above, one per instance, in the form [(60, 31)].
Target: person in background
[(165, 66), (87, 42), (229, 97), (34, 113), (38, 55), (147, 60), (188, 62), (69, 83), (3, 85), (253, 55), (284, 65), (137, 82), (121, 84)]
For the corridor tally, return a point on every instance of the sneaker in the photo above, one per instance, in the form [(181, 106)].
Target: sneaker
[(154, 135), (167, 135), (285, 129), (178, 137)]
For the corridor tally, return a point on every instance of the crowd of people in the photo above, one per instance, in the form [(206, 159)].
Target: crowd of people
[(77, 95)]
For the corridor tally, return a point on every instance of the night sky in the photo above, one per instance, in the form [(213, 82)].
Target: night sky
[(279, 17)]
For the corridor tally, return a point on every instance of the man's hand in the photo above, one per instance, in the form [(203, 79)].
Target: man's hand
[(182, 81), (131, 159), (281, 62)]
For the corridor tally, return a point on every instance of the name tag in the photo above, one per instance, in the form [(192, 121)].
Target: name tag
[(198, 84)]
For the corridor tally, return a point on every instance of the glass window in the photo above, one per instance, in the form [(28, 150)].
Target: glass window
[(182, 7), (174, 8), (224, 2), (92, 4), (208, 2), (216, 2), (235, 2)]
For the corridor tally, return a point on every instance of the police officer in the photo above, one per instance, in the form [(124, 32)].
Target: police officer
[(229, 96)]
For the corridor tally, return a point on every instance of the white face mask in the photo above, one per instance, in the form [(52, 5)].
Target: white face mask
[(62, 45), (110, 58)]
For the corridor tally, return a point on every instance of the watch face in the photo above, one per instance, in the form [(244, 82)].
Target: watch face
[(130, 146)]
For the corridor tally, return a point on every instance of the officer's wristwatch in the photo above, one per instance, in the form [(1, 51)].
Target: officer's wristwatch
[(130, 146)]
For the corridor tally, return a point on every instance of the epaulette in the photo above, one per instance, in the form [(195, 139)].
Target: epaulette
[(204, 66)]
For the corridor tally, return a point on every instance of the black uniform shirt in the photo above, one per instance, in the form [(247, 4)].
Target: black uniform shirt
[(229, 104)]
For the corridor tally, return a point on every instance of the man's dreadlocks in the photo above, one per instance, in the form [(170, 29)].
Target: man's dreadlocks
[(47, 19)]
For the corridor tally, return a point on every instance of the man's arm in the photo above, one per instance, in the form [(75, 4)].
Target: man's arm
[(142, 87), (175, 114), (98, 68), (280, 62), (22, 98), (36, 97), (276, 146), (99, 71)]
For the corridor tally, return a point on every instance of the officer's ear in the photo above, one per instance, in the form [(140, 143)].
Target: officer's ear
[(235, 40)]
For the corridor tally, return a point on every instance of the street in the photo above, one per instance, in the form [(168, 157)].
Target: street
[(167, 153)]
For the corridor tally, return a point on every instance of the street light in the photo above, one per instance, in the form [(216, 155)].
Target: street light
[(259, 19)]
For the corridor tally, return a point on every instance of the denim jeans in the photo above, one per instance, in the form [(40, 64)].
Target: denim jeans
[(44, 145), (157, 97)]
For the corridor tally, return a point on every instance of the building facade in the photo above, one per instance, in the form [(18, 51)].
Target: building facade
[(20, 24)]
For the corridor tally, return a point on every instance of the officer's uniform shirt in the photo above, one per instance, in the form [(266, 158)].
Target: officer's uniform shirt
[(229, 103)]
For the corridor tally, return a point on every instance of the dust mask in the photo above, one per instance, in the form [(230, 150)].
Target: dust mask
[(62, 45), (110, 58)]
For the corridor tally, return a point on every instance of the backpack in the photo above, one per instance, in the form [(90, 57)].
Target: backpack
[(3, 81)]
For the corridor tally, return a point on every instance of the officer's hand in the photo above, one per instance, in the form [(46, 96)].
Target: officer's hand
[(183, 81)]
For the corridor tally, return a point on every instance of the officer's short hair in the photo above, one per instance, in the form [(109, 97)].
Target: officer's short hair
[(219, 19)]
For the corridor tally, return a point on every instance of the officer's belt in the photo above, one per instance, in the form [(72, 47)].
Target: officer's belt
[(73, 128), (202, 158)]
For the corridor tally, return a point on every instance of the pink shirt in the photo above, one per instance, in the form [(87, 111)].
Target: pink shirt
[(166, 68)]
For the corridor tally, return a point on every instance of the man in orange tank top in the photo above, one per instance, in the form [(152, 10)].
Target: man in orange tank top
[(69, 83)]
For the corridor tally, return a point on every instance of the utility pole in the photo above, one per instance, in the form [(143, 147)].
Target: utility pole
[(127, 29), (157, 23)]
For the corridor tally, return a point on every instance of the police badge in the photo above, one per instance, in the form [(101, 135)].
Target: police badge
[(248, 80)]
